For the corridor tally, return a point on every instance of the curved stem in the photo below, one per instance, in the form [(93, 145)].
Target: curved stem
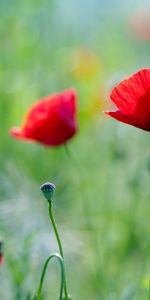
[(59, 245), (39, 290)]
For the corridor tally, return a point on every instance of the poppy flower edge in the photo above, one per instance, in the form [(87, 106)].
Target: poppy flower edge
[(51, 121), (1, 259), (132, 98)]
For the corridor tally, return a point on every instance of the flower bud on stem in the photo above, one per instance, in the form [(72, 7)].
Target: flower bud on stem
[(48, 191)]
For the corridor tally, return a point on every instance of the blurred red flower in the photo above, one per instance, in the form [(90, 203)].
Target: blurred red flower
[(51, 121), (132, 98), (1, 258), (139, 23)]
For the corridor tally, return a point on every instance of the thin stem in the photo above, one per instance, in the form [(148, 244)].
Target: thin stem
[(59, 245), (39, 291)]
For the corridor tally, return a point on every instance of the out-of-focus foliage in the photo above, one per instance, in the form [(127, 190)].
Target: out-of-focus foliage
[(102, 197)]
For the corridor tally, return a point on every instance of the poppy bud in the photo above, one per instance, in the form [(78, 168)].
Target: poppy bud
[(48, 190)]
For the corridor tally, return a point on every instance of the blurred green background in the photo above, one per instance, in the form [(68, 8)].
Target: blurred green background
[(102, 199)]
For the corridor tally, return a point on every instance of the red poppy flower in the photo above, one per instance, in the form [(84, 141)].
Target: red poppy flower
[(51, 121), (132, 98), (1, 258)]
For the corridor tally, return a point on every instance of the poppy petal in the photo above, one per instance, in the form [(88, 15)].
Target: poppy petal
[(132, 98), (126, 94), (51, 121), (15, 132), (119, 116), (127, 119)]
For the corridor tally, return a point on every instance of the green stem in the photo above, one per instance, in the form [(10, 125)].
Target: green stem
[(59, 244), (39, 291)]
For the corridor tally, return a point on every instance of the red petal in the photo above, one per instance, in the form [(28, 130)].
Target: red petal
[(119, 116), (15, 132), (1, 259), (127, 119), (127, 94), (19, 134), (52, 121)]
